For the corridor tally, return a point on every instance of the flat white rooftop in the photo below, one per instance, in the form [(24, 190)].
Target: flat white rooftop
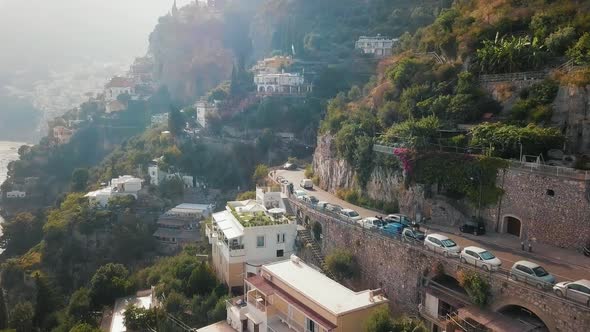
[(228, 224), (320, 289)]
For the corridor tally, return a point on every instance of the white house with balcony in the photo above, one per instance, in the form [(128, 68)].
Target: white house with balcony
[(118, 85), (281, 84), (246, 235), (291, 296), (180, 226), (379, 46), (125, 185)]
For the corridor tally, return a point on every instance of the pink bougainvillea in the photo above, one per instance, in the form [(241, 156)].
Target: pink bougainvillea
[(406, 157)]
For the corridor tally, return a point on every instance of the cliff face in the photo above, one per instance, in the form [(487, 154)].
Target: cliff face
[(386, 185), (571, 113)]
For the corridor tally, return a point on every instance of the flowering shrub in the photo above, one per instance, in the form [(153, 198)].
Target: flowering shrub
[(407, 157)]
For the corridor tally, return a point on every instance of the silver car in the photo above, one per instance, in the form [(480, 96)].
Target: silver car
[(578, 291), (532, 274)]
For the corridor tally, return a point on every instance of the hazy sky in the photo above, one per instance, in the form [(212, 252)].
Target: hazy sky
[(51, 31)]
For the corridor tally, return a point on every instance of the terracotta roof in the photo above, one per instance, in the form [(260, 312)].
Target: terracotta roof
[(119, 82), (269, 288)]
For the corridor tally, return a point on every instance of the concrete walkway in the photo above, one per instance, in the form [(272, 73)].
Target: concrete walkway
[(564, 264)]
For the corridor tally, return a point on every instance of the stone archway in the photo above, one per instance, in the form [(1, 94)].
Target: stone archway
[(511, 225), (512, 306), (261, 89)]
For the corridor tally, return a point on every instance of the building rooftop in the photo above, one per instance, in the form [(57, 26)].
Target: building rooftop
[(228, 224), (189, 208), (125, 179), (324, 291), (119, 82)]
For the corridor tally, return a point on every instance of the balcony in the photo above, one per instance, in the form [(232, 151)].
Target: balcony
[(237, 307), (257, 300), (236, 250), (281, 323)]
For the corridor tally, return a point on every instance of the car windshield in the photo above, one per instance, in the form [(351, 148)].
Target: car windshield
[(540, 272), (352, 214), (486, 255), (448, 243)]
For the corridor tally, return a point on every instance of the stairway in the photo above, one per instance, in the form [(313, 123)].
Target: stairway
[(307, 239)]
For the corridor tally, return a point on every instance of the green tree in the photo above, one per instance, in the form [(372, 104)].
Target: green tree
[(139, 319), (355, 93), (3, 311), (80, 305), (84, 327), (109, 282), (80, 179), (260, 174), (580, 52), (46, 301), (175, 303), (342, 264), (21, 317), (175, 122), (559, 41), (20, 234), (202, 280), (379, 321)]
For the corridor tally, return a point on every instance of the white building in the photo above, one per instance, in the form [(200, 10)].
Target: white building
[(292, 296), (246, 235), (117, 86), (205, 109), (159, 119), (180, 226), (16, 194), (281, 83), (114, 106), (157, 175), (62, 135), (121, 186), (272, 65), (379, 46)]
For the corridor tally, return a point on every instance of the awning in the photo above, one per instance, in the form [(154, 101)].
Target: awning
[(232, 233), (253, 318)]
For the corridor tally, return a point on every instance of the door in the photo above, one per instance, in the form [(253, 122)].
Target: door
[(526, 273), (471, 258), (578, 293), (256, 327), (513, 226)]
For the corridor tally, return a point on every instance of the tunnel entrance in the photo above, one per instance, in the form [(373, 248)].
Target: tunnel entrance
[(513, 225), (526, 317)]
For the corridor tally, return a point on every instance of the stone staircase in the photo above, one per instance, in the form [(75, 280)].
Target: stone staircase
[(309, 242)]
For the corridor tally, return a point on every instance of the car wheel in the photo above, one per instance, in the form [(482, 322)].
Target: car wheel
[(513, 277), (485, 268), (558, 293), (463, 260), (540, 286)]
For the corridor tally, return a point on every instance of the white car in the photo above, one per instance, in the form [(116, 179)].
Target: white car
[(442, 244), (371, 223), (578, 291), (306, 184), (299, 193), (480, 258), (350, 215)]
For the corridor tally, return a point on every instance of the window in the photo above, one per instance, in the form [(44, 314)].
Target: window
[(524, 269), (260, 241), (311, 326), (280, 237), (550, 192), (280, 253)]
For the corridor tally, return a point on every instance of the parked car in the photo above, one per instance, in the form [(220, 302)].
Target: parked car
[(533, 274), (393, 228), (313, 200), (371, 223), (578, 291), (400, 218), (306, 184), (412, 235), (333, 208), (299, 193), (290, 166), (322, 205), (480, 258), (473, 227), (350, 215), (442, 244)]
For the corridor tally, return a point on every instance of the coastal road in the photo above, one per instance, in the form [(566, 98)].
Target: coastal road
[(563, 264)]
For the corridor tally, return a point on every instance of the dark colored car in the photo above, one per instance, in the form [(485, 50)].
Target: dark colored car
[(475, 228)]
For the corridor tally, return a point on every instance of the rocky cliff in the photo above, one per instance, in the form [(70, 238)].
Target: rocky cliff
[(384, 184), (571, 113)]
